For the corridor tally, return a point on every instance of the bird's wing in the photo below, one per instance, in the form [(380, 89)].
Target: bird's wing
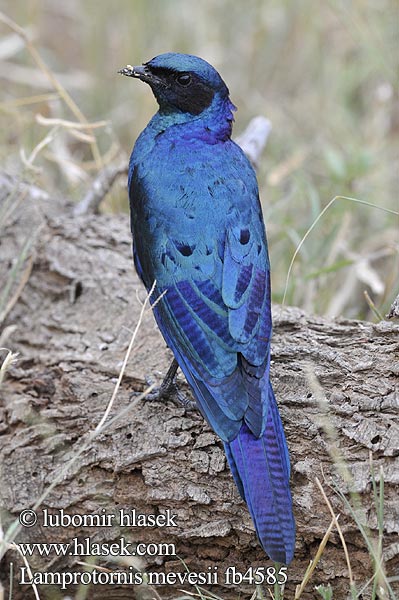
[(204, 242), (246, 288), (216, 319), (194, 321), (246, 293)]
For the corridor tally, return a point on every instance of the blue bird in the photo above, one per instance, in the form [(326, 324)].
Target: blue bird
[(198, 232)]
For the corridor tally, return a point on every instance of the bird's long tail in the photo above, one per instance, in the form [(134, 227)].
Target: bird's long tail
[(261, 469)]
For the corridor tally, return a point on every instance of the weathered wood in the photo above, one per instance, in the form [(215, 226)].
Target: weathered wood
[(336, 384)]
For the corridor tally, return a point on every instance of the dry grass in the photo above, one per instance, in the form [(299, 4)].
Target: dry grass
[(325, 78)]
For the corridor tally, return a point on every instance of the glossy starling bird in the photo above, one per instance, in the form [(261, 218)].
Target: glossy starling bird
[(198, 232)]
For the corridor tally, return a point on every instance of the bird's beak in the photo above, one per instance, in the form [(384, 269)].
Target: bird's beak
[(143, 73), (130, 71)]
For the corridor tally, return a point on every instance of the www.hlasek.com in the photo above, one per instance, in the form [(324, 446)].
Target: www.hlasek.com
[(86, 547)]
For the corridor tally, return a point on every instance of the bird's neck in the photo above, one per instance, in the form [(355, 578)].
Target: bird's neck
[(214, 124)]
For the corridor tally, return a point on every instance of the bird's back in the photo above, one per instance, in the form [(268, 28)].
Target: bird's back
[(185, 194)]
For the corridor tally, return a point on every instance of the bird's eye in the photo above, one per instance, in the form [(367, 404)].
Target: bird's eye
[(183, 79)]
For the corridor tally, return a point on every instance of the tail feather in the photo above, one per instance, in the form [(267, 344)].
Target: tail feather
[(260, 467)]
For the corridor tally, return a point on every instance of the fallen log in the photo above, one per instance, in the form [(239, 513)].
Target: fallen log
[(336, 382)]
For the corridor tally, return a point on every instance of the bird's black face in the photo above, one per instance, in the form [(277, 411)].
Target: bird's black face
[(184, 91)]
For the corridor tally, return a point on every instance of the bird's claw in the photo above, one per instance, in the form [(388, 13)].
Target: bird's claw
[(170, 393), (168, 390)]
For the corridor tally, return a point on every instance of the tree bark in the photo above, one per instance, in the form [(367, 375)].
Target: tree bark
[(336, 382)]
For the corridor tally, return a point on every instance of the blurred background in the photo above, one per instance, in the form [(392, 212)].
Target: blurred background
[(324, 73)]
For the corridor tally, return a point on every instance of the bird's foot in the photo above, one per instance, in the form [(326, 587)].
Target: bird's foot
[(168, 391)]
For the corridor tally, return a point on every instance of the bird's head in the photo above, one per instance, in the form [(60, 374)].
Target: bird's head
[(181, 82)]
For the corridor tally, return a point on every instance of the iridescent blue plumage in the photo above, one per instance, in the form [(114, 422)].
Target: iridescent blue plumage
[(198, 231)]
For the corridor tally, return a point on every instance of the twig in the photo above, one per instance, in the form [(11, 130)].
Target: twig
[(253, 140), (28, 100), (28, 162), (313, 563), (341, 535), (70, 124), (13, 546), (373, 306), (123, 368), (10, 359), (99, 189)]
